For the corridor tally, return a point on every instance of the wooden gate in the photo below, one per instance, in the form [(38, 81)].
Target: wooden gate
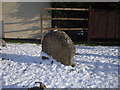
[(104, 24)]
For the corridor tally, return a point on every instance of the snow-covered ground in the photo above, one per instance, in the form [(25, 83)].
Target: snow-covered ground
[(96, 67)]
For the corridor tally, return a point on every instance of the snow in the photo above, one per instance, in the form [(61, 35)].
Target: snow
[(55, 30), (96, 67), (0, 70)]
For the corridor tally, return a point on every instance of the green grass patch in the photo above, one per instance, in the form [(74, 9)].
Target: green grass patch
[(76, 43), (23, 41)]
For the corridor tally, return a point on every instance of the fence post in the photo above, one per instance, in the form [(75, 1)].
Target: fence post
[(41, 20), (3, 36), (90, 8)]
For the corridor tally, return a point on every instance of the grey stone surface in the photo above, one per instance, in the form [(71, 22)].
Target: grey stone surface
[(59, 45)]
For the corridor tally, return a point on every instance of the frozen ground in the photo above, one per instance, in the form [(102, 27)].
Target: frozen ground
[(96, 67)]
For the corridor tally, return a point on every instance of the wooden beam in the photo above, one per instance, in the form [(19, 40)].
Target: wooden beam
[(65, 28), (65, 19), (89, 24), (41, 20), (3, 36), (75, 9)]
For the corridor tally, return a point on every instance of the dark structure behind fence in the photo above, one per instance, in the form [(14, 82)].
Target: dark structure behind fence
[(104, 25)]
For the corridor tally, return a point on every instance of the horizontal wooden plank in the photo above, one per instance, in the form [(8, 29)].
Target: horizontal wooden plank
[(65, 19), (76, 9), (65, 28)]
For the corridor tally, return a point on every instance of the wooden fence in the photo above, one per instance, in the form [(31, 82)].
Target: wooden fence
[(73, 9), (104, 24)]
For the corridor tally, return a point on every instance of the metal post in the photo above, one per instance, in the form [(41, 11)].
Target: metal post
[(41, 26)]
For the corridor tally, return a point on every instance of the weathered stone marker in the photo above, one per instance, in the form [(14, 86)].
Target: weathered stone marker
[(59, 45)]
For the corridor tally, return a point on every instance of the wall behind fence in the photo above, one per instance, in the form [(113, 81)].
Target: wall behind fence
[(22, 19), (104, 24)]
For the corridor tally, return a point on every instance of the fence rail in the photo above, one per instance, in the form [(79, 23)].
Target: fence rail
[(65, 28), (75, 9), (65, 19)]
